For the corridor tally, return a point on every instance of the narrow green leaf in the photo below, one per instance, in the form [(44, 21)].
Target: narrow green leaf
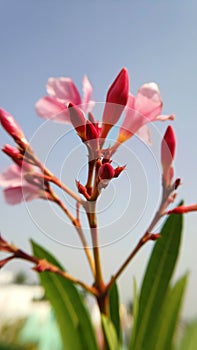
[(156, 280), (189, 341), (115, 310), (135, 313), (110, 333), (162, 337), (72, 316)]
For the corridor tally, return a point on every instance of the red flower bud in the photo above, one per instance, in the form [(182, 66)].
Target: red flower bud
[(82, 189), (118, 170), (78, 120), (12, 128), (106, 172), (118, 91), (92, 135), (12, 152), (154, 236), (91, 132), (168, 146), (16, 156), (116, 100), (177, 183), (183, 209)]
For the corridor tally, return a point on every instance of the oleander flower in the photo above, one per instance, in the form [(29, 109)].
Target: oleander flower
[(17, 188), (62, 91), (144, 108)]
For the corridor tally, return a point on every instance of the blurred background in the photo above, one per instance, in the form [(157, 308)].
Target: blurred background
[(156, 41)]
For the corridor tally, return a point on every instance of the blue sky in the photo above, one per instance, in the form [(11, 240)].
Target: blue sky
[(156, 41)]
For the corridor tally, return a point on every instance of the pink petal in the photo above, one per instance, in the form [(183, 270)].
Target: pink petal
[(11, 176), (13, 195), (16, 195), (148, 100), (30, 192), (144, 134), (132, 122), (50, 108), (87, 93), (87, 89), (64, 89), (165, 117)]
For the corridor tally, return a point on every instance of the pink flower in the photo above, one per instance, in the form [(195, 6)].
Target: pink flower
[(16, 187), (144, 108), (61, 92)]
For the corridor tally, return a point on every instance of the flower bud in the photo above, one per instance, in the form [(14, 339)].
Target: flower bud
[(183, 209), (154, 236), (168, 146), (91, 135), (12, 128), (78, 120), (91, 131), (106, 172), (16, 156), (82, 189), (116, 100), (177, 183), (118, 170), (12, 152)]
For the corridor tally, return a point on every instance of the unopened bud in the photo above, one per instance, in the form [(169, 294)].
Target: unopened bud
[(91, 135), (118, 170), (167, 150), (154, 236), (183, 209), (82, 189), (177, 183), (116, 100), (12, 128), (106, 172), (16, 156), (78, 120)]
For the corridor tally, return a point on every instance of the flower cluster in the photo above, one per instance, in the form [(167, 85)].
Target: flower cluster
[(27, 178)]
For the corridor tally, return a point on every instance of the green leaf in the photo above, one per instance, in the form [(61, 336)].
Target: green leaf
[(135, 313), (189, 340), (72, 316), (156, 280), (110, 333), (115, 310), (162, 337)]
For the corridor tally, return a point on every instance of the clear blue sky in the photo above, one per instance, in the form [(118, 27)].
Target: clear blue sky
[(156, 41)]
